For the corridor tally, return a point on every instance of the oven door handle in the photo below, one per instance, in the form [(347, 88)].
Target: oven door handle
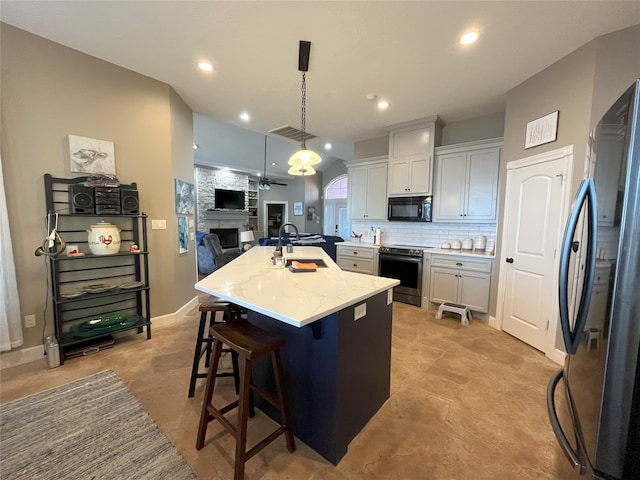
[(400, 258)]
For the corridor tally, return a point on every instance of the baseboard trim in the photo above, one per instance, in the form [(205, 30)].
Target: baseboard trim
[(557, 356), (495, 323), (24, 355), (31, 354)]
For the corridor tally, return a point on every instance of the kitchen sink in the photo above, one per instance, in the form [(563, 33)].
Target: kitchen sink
[(318, 261)]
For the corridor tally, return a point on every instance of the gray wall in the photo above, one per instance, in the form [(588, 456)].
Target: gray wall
[(50, 91), (581, 86), (478, 128)]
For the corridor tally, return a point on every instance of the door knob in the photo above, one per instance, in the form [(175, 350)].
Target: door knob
[(509, 260)]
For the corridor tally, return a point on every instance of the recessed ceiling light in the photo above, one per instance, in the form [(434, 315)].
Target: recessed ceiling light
[(205, 66), (468, 38), (383, 105), (273, 164), (196, 146), (327, 146), (245, 117)]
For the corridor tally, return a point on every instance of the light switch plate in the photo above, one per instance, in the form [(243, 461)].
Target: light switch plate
[(360, 311), (158, 224)]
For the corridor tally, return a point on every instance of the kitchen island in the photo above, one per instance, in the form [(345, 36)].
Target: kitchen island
[(337, 331)]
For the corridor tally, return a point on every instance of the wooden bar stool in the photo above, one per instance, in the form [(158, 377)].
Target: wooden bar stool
[(250, 342), (203, 344)]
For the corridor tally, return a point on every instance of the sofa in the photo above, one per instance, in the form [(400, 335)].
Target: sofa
[(326, 242), (210, 254)]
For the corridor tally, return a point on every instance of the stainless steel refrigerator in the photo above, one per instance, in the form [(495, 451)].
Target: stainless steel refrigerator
[(594, 400)]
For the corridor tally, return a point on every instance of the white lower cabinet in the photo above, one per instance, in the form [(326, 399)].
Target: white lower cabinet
[(461, 280), (357, 259)]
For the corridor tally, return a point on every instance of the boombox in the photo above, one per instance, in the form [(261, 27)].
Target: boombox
[(104, 200)]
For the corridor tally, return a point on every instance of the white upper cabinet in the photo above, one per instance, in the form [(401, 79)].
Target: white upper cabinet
[(466, 182), (367, 198), (609, 160), (411, 147)]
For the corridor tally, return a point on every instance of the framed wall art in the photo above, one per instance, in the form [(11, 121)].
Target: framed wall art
[(90, 155), (542, 130), (297, 208), (185, 198), (183, 234)]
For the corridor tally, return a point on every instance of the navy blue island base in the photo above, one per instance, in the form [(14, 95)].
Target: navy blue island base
[(337, 373)]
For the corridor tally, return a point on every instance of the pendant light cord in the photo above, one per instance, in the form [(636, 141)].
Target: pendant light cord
[(304, 109)]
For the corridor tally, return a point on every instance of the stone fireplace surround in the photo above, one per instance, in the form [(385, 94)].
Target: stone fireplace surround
[(207, 180)]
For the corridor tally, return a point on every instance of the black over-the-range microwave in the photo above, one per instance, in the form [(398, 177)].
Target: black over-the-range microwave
[(410, 209)]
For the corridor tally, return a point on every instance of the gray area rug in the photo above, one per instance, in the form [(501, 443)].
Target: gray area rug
[(93, 428)]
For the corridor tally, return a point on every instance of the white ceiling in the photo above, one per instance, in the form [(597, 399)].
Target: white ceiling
[(406, 52)]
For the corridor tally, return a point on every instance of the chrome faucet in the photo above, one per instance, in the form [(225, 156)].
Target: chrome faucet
[(279, 247)]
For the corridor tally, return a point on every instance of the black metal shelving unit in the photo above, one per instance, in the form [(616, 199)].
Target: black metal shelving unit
[(72, 305)]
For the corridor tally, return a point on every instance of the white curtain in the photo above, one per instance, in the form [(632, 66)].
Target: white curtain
[(10, 324)]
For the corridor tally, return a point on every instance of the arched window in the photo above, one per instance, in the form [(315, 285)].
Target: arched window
[(337, 189)]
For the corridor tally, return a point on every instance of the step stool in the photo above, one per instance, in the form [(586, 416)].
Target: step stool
[(591, 334), (462, 310)]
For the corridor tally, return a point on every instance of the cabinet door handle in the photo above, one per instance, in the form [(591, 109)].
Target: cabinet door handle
[(459, 264), (509, 260)]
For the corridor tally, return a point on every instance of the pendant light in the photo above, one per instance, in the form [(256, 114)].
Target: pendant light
[(302, 160)]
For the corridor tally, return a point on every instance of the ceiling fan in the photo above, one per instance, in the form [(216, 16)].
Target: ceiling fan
[(265, 183)]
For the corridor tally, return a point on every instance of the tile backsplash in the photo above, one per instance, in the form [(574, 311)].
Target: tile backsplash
[(424, 234)]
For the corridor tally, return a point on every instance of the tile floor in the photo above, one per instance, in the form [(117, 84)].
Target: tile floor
[(466, 403)]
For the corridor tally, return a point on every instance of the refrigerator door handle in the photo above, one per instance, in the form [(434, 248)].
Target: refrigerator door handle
[(586, 196), (570, 453)]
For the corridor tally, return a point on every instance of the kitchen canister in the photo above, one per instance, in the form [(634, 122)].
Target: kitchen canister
[(480, 243), (104, 238), (467, 244)]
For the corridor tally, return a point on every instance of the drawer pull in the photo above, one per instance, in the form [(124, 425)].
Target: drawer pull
[(459, 264)]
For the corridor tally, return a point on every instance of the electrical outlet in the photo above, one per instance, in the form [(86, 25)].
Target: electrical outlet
[(360, 311), (29, 321), (158, 224)]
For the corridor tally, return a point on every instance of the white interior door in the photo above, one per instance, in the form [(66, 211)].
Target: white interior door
[(535, 211), (336, 219)]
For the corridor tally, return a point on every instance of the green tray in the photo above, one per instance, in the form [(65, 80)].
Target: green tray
[(105, 324)]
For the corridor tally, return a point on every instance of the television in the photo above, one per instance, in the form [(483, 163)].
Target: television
[(229, 199)]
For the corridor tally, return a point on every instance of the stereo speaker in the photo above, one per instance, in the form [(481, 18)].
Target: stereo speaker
[(129, 202), (81, 198)]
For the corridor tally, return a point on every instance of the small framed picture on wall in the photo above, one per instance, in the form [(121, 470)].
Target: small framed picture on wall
[(183, 234), (297, 208)]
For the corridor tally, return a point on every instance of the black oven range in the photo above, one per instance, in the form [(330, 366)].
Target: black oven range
[(404, 263)]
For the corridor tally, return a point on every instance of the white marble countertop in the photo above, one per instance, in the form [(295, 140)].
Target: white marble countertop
[(252, 281), (349, 244), (464, 253)]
